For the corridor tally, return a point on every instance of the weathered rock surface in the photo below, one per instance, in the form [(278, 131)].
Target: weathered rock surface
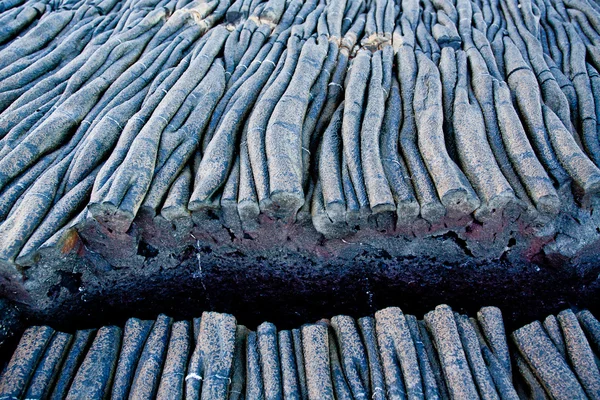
[(272, 134), (207, 152), (390, 356)]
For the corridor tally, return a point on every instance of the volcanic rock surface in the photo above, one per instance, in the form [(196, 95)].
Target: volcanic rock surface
[(216, 152), (390, 355)]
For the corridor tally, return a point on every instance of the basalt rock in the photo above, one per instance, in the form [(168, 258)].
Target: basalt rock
[(153, 149), (337, 358)]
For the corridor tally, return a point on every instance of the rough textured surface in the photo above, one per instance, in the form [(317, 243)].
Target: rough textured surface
[(389, 356), (187, 141), (276, 159)]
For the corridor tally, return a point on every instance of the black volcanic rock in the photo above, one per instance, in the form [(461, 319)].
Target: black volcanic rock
[(22, 365), (281, 159), (341, 358), (135, 137), (95, 374)]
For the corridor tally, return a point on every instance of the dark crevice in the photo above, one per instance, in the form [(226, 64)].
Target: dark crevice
[(462, 243), (146, 250), (290, 290)]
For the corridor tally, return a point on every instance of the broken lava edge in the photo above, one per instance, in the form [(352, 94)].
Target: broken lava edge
[(282, 271)]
